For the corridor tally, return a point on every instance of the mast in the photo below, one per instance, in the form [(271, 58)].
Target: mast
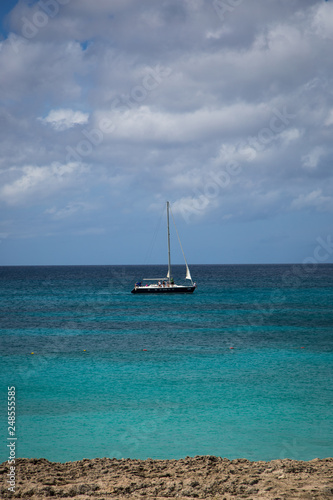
[(169, 258)]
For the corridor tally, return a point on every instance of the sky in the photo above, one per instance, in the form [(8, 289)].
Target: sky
[(110, 108)]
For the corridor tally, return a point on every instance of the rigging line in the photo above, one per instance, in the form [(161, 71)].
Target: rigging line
[(178, 238), (152, 244)]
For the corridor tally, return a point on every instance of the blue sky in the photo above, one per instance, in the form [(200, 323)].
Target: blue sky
[(110, 108)]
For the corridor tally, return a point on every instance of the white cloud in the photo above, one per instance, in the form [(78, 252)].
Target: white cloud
[(194, 207), (323, 20), (314, 199), (63, 119), (145, 123), (329, 119), (290, 135), (311, 160), (36, 183), (40, 71)]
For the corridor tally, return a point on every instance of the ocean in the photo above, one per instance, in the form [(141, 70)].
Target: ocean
[(241, 368)]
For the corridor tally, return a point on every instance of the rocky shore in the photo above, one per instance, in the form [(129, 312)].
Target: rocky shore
[(201, 477)]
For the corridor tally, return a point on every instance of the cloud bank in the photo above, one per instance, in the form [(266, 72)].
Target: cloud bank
[(224, 108)]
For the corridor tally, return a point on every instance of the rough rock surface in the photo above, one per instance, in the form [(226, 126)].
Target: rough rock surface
[(197, 478)]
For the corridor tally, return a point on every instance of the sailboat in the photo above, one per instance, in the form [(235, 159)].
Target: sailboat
[(167, 284)]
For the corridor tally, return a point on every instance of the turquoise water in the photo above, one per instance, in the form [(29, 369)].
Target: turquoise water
[(241, 368)]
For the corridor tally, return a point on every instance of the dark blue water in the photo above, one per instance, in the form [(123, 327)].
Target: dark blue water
[(240, 368)]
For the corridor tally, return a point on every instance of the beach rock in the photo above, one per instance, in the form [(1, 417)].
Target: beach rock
[(193, 477)]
